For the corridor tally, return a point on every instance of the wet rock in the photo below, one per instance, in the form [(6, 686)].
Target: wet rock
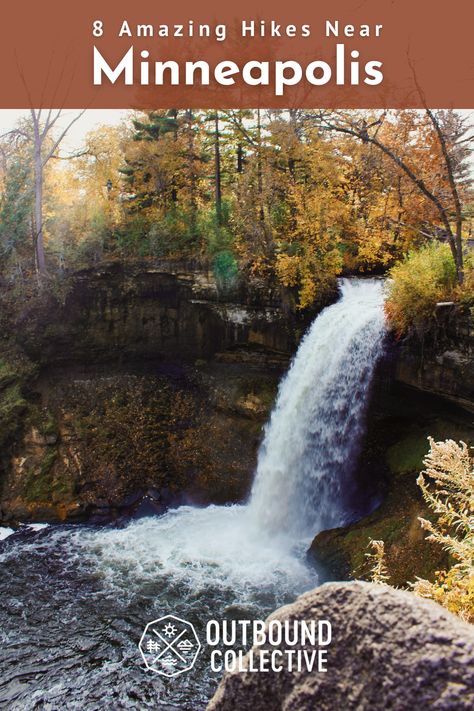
[(340, 553), (173, 435), (389, 650), (148, 506)]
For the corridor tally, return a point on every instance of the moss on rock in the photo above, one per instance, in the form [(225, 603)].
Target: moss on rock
[(15, 373), (341, 552), (401, 444)]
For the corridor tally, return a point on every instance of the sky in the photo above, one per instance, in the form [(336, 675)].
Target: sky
[(91, 119)]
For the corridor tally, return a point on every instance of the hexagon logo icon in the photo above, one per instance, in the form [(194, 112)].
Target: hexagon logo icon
[(169, 646)]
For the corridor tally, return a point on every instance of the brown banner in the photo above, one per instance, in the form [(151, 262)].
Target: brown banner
[(343, 53)]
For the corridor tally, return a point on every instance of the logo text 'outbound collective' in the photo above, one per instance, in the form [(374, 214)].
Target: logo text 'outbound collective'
[(170, 646)]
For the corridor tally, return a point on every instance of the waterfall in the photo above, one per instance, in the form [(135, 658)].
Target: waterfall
[(218, 562), (301, 484), (311, 442)]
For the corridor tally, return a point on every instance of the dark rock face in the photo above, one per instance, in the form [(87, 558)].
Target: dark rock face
[(145, 375), (442, 362), (106, 444), (389, 650), (143, 311), (399, 422)]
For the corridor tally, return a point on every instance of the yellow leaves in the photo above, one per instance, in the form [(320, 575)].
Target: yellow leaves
[(309, 258), (389, 214), (287, 269), (450, 590), (447, 485), (295, 199), (417, 284), (313, 272), (308, 291)]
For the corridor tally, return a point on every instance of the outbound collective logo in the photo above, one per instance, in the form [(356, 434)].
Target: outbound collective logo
[(169, 646)]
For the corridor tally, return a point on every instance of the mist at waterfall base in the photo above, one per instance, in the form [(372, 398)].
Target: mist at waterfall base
[(75, 599)]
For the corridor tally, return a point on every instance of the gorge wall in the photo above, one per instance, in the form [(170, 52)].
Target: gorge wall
[(441, 362), (152, 381), (165, 310), (144, 385)]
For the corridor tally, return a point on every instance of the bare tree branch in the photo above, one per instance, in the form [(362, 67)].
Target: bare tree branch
[(331, 120), (62, 135)]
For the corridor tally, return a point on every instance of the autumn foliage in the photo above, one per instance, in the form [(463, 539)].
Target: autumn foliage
[(271, 197), (447, 485)]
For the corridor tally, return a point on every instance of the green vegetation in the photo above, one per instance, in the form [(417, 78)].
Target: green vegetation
[(419, 282), (15, 371), (40, 484), (447, 485)]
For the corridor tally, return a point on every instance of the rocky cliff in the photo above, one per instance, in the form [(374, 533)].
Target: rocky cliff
[(441, 361), (143, 383), (160, 310)]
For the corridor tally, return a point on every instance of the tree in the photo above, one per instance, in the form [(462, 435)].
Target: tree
[(309, 256), (16, 200), (217, 170), (446, 201), (44, 148)]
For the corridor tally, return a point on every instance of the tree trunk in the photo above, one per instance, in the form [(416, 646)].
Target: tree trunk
[(39, 243), (240, 158), (192, 172), (456, 239), (217, 160), (259, 168)]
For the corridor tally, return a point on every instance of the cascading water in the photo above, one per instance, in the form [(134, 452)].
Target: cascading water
[(105, 584), (312, 439)]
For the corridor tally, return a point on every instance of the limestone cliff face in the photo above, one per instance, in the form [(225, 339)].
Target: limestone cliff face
[(149, 381), (159, 311), (103, 443), (442, 363)]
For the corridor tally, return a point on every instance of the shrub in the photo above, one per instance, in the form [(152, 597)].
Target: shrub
[(378, 572), (447, 485), (417, 284), (466, 295)]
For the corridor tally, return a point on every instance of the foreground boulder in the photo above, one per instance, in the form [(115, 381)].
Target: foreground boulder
[(390, 650)]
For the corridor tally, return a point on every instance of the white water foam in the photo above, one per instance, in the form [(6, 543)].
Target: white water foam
[(217, 546), (5, 532)]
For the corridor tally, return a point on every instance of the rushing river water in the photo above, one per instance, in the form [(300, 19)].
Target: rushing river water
[(75, 599)]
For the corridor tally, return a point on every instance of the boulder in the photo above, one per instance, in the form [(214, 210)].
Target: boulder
[(389, 650)]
